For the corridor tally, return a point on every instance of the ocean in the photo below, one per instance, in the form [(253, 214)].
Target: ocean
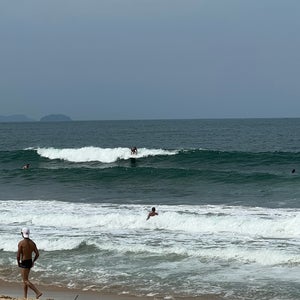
[(227, 199)]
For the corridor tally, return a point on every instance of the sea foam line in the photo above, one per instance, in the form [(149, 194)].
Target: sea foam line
[(255, 235), (245, 221), (104, 155)]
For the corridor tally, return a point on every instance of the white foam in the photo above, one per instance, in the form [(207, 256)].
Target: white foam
[(104, 155), (255, 235)]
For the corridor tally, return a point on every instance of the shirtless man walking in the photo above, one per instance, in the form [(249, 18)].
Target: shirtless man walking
[(24, 257)]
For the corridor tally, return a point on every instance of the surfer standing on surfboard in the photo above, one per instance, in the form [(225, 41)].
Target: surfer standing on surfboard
[(134, 150)]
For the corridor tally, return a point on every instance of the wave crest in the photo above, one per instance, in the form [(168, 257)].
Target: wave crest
[(103, 155)]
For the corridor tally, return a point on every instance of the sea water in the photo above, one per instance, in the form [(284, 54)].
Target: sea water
[(228, 206)]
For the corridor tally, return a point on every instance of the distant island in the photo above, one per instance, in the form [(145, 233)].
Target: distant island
[(15, 118), (55, 118), (23, 118)]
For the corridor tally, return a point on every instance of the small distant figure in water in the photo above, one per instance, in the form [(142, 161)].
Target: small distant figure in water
[(293, 171), (133, 150), (26, 166), (152, 213)]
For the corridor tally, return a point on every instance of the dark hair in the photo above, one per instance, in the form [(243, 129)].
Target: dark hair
[(153, 208)]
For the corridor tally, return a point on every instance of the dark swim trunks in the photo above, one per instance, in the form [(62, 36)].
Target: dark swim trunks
[(26, 264)]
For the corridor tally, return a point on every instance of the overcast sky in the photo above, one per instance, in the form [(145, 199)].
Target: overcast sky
[(150, 59)]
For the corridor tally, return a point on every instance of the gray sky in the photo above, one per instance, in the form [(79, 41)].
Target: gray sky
[(150, 59)]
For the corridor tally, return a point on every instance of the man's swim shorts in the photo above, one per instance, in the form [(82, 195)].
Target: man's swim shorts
[(26, 264)]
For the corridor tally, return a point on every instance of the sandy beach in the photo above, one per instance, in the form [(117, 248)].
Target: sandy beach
[(13, 291)]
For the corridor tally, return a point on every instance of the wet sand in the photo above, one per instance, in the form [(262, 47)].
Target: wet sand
[(13, 291)]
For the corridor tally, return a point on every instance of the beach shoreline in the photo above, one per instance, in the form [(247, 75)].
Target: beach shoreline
[(14, 291), (228, 223)]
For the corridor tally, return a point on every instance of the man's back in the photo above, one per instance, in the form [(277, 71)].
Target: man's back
[(26, 247)]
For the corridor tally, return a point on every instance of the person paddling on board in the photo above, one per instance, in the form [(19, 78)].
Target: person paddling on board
[(133, 150), (152, 213)]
